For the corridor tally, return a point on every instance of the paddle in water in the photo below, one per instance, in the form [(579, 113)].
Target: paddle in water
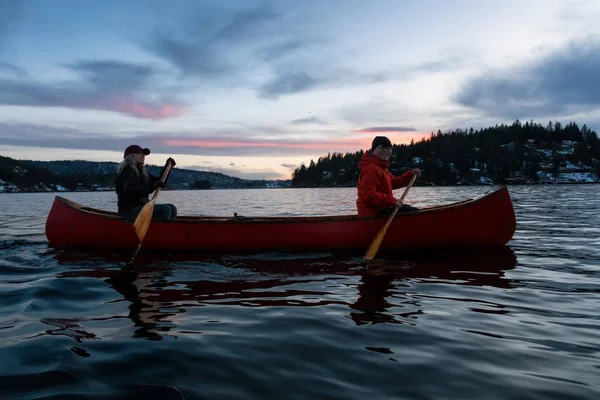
[(142, 222), (376, 243)]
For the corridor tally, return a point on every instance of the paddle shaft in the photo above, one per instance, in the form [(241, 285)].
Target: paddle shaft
[(163, 179), (142, 222), (376, 243)]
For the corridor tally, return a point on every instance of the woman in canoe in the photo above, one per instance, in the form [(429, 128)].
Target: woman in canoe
[(376, 182), (133, 184)]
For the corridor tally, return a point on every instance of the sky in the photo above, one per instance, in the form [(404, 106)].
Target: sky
[(255, 88)]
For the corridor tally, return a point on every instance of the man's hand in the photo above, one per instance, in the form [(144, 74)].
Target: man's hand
[(399, 203), (173, 163), (417, 172), (159, 184)]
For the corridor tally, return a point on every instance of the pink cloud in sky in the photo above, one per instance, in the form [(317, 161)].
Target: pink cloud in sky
[(350, 145), (386, 129), (153, 112)]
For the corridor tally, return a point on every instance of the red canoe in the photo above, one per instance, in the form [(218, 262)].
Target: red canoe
[(485, 220)]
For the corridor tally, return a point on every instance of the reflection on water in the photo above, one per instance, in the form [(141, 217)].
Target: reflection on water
[(157, 291)]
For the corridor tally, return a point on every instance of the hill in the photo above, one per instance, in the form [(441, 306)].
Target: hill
[(505, 154), (78, 175)]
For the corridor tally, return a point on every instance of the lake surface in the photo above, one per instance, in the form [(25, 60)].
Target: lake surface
[(517, 322)]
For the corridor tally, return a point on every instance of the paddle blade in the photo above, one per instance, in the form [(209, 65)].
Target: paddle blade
[(375, 244), (142, 222)]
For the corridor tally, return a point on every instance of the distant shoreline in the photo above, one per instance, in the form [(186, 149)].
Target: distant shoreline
[(315, 187)]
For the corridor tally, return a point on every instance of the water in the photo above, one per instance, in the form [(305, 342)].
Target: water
[(520, 321)]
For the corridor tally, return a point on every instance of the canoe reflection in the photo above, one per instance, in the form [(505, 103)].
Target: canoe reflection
[(160, 288)]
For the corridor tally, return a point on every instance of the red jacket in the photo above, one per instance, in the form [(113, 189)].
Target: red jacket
[(375, 185)]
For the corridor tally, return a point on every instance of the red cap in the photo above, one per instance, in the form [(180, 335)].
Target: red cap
[(134, 148)]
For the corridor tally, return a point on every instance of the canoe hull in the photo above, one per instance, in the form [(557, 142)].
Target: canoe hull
[(487, 220)]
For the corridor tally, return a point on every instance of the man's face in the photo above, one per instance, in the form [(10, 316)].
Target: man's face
[(383, 152)]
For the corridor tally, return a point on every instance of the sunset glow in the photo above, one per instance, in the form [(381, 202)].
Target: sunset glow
[(149, 112), (350, 145)]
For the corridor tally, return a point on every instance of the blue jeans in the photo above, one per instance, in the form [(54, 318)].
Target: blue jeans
[(161, 211)]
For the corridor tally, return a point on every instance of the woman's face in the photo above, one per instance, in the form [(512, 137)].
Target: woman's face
[(139, 158), (383, 152)]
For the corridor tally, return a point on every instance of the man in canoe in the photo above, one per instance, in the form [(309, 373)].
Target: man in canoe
[(376, 182), (133, 184)]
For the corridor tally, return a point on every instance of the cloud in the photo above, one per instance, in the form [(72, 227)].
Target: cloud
[(446, 62), (578, 14), (214, 44), (251, 147), (114, 76), (171, 142), (288, 166), (146, 111), (289, 83), (563, 81), (192, 58), (378, 129), (12, 70), (104, 85), (309, 121), (276, 51), (303, 76), (378, 110), (246, 22), (240, 48)]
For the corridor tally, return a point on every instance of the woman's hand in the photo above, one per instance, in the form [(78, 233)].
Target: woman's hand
[(417, 172)]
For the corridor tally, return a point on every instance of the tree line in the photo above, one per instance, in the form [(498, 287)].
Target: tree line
[(519, 153)]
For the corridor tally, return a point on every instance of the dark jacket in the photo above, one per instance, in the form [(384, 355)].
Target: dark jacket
[(375, 185), (132, 190)]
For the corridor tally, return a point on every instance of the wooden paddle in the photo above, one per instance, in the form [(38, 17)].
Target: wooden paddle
[(142, 222), (376, 243)]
